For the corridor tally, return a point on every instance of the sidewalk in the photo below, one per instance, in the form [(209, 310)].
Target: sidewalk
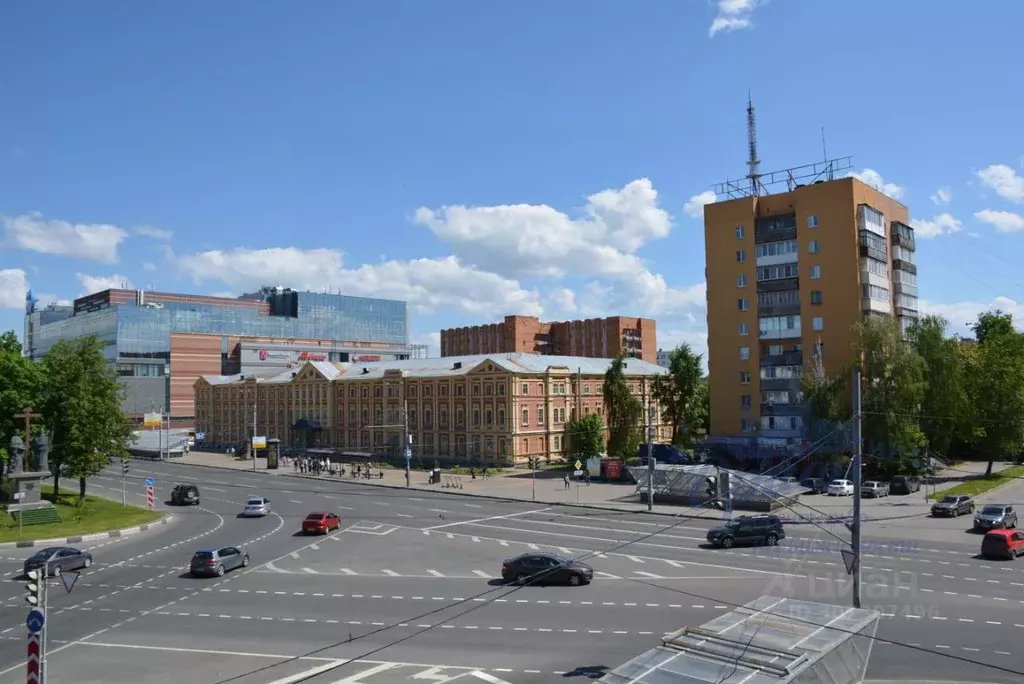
[(548, 487)]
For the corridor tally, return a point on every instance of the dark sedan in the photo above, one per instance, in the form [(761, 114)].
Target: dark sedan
[(57, 559), (953, 505), (545, 568)]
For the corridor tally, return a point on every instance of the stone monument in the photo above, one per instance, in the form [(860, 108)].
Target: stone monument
[(29, 480)]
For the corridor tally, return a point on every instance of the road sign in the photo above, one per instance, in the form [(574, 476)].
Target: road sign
[(578, 473), (18, 496), (150, 482), (35, 620), (68, 579), (849, 560), (35, 665), (579, 465), (408, 453), (200, 436)]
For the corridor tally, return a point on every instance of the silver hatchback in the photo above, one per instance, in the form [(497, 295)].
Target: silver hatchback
[(215, 562), (874, 489)]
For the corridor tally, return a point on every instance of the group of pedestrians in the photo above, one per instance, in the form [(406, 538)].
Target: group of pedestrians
[(309, 465)]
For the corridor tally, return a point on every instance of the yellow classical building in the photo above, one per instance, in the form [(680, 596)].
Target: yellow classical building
[(492, 408)]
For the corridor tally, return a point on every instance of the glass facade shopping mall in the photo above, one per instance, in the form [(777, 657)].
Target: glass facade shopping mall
[(138, 328)]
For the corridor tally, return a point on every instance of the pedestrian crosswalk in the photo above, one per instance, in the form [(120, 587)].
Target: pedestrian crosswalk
[(468, 573)]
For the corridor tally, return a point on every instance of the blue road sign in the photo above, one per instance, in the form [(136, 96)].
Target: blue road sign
[(150, 482), (408, 453), (35, 621)]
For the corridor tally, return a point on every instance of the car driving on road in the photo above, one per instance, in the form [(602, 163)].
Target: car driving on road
[(1003, 544), (321, 523), (256, 507), (953, 505), (57, 559), (545, 568), (994, 517), (747, 530), (185, 495), (215, 562)]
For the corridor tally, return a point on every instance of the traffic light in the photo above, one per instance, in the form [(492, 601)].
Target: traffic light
[(124, 466), (725, 484), (35, 587)]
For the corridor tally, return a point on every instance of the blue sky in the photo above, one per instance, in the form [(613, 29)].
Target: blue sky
[(479, 159)]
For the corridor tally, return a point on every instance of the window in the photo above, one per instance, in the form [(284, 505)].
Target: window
[(782, 372), (815, 272), (780, 248), (813, 247), (871, 220), (476, 389), (540, 415), (525, 389), (747, 426), (586, 388), (812, 221), (872, 241), (488, 417), (816, 297), (741, 255), (777, 272), (780, 298), (903, 254), (741, 303), (557, 443), (777, 324), (501, 417), (744, 353), (476, 417), (743, 329), (816, 323), (874, 266), (526, 416), (501, 389), (488, 389), (874, 292), (740, 233), (744, 377), (741, 280), (745, 401), (775, 397), (907, 301)]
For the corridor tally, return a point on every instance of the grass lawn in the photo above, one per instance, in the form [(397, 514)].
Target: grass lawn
[(982, 484), (96, 515)]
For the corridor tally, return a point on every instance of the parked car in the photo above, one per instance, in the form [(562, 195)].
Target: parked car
[(905, 484), (815, 485), (874, 489), (256, 507), (953, 505), (545, 568), (57, 559), (1002, 544), (185, 495), (321, 523), (840, 488), (215, 562), (995, 517), (788, 480), (748, 530)]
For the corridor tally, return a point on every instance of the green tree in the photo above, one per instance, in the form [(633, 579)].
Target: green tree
[(82, 403), (992, 324), (625, 412), (996, 394), (943, 405), (678, 392), (893, 387), (585, 436), (20, 385)]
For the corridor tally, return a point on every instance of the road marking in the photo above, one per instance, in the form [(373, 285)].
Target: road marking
[(403, 515), (294, 501), (310, 571), (648, 574), (347, 571), (308, 674), (481, 573), (294, 554), (391, 573), (435, 573), (492, 517)]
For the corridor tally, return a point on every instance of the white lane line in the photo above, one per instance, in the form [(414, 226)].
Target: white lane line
[(294, 501), (481, 573), (391, 573), (435, 573), (492, 517), (347, 571)]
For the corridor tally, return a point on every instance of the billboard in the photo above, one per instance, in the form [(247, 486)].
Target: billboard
[(152, 420), (279, 357)]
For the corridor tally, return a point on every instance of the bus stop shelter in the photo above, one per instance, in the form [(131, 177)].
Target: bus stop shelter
[(770, 640)]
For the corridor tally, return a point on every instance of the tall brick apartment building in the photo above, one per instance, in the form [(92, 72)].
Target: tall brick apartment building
[(599, 338)]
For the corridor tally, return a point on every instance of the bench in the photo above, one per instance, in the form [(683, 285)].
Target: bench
[(36, 516)]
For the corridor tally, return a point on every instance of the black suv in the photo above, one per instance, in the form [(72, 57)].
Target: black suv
[(747, 530), (905, 484), (185, 495)]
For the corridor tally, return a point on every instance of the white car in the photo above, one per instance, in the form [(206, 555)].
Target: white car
[(256, 507), (840, 488)]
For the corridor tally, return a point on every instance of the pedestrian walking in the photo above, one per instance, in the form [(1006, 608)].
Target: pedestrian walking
[(565, 479)]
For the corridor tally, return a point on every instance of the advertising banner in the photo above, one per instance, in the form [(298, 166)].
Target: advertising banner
[(152, 420), (280, 357)]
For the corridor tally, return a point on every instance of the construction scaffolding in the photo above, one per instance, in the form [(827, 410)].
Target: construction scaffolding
[(770, 640), (688, 485)]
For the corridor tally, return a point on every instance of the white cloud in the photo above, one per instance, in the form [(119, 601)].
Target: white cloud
[(1004, 180), (942, 196), (154, 233), (1004, 221), (91, 284), (732, 15), (694, 207), (427, 284), (13, 288), (563, 301), (943, 224), (695, 336), (433, 342), (45, 298), (524, 240), (875, 180), (961, 315), (93, 242), (149, 267)]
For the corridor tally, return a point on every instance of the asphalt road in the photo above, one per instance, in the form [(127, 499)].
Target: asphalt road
[(407, 591)]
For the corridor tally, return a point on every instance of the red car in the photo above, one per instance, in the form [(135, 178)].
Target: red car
[(321, 523), (1003, 544)]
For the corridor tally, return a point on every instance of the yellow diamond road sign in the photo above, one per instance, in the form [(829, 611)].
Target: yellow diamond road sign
[(578, 465)]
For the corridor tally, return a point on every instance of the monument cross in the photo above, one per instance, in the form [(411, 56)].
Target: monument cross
[(27, 414)]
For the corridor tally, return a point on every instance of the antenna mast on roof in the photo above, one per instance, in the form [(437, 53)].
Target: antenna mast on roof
[(753, 163)]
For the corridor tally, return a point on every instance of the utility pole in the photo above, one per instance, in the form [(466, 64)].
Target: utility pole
[(407, 438), (252, 443), (855, 528), (650, 458), (533, 476)]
